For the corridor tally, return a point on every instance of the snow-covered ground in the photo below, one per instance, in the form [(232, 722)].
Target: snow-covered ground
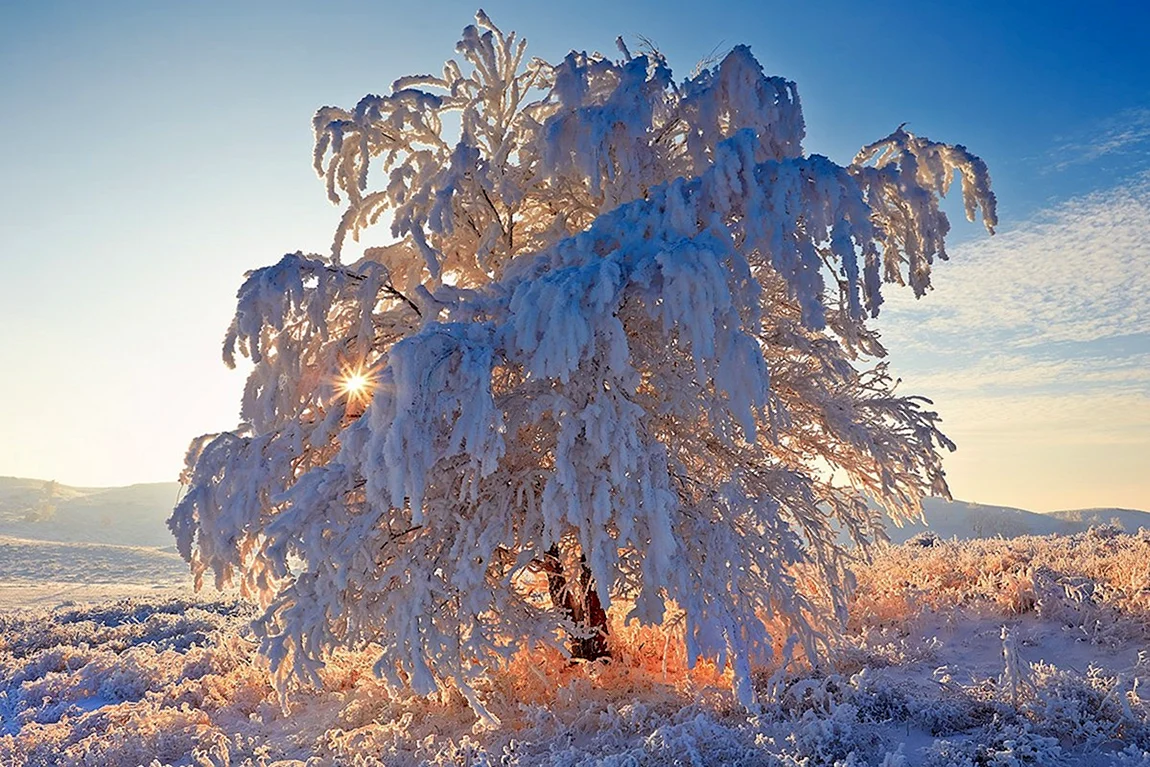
[(1028, 651), (47, 573)]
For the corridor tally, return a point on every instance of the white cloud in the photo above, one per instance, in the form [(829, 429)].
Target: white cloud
[(1078, 273), (991, 373), (1035, 347), (1125, 132)]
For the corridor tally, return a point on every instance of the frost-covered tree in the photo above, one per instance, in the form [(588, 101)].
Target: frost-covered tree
[(616, 354)]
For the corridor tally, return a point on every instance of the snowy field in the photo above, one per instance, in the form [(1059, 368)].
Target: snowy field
[(70, 544), (924, 677), (47, 573)]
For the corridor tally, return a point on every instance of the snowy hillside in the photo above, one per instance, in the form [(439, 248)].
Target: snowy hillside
[(965, 520), (32, 561), (60, 543), (1003, 653), (136, 516), (46, 573), (1128, 519), (127, 516)]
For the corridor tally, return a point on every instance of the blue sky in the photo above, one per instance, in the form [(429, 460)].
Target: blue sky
[(156, 151)]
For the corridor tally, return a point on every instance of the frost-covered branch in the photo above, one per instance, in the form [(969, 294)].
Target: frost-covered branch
[(623, 324)]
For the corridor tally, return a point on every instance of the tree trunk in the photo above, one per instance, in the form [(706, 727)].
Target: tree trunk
[(581, 603)]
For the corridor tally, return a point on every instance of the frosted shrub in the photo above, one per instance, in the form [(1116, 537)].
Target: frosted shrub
[(1132, 756), (113, 697), (1015, 678), (999, 745), (829, 740), (616, 348), (1088, 709), (1096, 587)]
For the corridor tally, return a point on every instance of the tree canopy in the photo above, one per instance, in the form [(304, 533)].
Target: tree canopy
[(621, 326)]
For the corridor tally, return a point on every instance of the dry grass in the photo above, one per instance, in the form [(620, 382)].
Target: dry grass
[(179, 683), (1101, 574)]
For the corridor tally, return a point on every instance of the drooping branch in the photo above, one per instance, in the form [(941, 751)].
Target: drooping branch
[(623, 339)]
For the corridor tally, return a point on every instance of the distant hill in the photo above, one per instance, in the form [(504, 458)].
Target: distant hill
[(125, 516), (965, 520), (1128, 519), (137, 516)]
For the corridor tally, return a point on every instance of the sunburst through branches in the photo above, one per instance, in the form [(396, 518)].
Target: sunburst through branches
[(356, 383)]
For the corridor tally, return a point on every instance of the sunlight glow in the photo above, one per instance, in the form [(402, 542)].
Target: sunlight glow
[(357, 384)]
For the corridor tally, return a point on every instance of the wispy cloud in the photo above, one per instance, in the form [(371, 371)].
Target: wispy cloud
[(1075, 274), (1035, 346), (1128, 131), (1004, 373)]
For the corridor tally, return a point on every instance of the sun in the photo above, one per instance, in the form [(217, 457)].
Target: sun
[(356, 384)]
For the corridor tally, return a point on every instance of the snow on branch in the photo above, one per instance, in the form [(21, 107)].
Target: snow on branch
[(618, 343)]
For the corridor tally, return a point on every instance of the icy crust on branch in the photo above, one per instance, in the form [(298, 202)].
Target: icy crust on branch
[(303, 319), (543, 148), (903, 176), (624, 316)]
